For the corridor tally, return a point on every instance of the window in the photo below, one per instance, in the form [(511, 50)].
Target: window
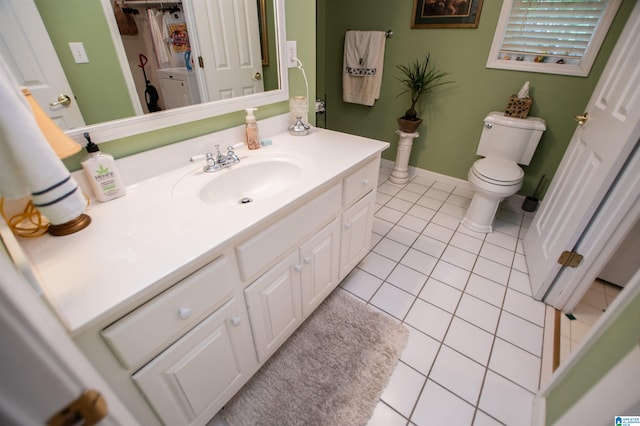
[(551, 36)]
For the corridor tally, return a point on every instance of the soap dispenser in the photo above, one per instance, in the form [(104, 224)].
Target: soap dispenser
[(251, 130), (100, 170)]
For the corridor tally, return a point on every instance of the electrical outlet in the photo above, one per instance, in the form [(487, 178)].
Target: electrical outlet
[(78, 52), (292, 52)]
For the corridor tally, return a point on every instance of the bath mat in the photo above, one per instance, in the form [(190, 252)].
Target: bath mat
[(331, 371)]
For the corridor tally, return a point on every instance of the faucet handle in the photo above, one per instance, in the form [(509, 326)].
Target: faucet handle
[(211, 165), (219, 156), (231, 154)]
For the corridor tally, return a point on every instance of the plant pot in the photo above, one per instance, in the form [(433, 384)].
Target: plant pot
[(408, 126)]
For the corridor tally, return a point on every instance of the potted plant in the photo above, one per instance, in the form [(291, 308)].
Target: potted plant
[(419, 78)]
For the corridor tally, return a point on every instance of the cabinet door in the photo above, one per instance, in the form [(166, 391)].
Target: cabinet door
[(175, 92), (320, 264), (357, 224), (273, 301), (191, 380)]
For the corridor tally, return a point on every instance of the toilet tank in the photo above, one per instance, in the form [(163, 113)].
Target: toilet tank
[(510, 138)]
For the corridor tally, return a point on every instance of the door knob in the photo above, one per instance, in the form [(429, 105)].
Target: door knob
[(62, 100), (257, 76), (581, 119)]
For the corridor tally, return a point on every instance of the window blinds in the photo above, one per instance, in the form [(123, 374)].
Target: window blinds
[(551, 30)]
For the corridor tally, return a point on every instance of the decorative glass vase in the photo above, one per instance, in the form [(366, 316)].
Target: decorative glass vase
[(298, 107)]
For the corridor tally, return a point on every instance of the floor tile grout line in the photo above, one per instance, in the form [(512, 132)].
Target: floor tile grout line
[(506, 285)]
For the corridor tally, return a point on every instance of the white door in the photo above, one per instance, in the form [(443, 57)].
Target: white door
[(596, 154), (228, 40), (28, 51), (41, 369)]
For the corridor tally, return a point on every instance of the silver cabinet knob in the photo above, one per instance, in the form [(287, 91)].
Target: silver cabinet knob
[(235, 321), (184, 313)]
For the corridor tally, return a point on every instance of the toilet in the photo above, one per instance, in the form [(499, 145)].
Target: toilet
[(504, 143)]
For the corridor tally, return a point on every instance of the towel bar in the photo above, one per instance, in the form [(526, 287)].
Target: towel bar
[(388, 33)]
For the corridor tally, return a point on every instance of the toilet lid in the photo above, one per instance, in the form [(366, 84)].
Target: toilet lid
[(498, 170)]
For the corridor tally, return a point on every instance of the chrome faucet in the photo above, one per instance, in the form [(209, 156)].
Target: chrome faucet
[(220, 161)]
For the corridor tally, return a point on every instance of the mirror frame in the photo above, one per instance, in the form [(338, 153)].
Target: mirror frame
[(116, 129)]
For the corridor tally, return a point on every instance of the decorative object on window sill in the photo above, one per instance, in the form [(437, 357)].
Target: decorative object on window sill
[(446, 14)]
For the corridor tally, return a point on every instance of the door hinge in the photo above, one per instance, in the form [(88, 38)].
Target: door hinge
[(570, 258), (88, 409), (200, 61)]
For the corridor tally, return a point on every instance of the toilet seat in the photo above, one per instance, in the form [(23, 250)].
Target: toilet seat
[(497, 171)]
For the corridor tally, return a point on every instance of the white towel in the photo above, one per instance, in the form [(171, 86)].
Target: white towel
[(28, 164), (160, 46), (363, 65)]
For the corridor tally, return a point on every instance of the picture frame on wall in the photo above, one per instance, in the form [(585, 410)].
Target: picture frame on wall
[(446, 13)]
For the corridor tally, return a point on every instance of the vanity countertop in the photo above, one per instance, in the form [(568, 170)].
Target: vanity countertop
[(161, 231)]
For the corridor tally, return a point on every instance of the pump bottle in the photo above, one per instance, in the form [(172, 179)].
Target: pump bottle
[(251, 130), (100, 170)]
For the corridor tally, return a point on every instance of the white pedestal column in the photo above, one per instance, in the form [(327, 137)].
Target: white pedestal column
[(400, 172)]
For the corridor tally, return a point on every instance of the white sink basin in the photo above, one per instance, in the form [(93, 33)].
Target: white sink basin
[(245, 183)]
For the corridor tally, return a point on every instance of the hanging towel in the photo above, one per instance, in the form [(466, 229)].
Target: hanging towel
[(160, 47), (28, 164), (363, 63)]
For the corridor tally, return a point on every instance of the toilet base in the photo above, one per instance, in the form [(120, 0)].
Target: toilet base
[(481, 212)]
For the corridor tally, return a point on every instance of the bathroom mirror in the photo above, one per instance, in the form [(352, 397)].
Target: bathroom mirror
[(135, 117)]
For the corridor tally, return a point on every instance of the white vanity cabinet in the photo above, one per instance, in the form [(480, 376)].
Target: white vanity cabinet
[(191, 381), (287, 293), (197, 297), (194, 343)]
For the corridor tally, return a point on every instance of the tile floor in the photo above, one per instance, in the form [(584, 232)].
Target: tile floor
[(595, 302), (475, 345)]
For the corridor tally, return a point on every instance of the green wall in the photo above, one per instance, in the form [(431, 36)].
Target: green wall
[(98, 86), (453, 116)]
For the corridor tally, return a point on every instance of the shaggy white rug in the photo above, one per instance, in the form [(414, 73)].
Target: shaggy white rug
[(331, 371)]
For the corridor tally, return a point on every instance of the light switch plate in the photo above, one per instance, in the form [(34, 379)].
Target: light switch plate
[(78, 52)]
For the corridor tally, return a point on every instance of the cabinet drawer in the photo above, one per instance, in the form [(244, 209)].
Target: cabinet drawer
[(156, 324), (360, 182), (266, 246)]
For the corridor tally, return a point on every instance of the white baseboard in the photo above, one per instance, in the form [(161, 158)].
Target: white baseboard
[(415, 172)]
